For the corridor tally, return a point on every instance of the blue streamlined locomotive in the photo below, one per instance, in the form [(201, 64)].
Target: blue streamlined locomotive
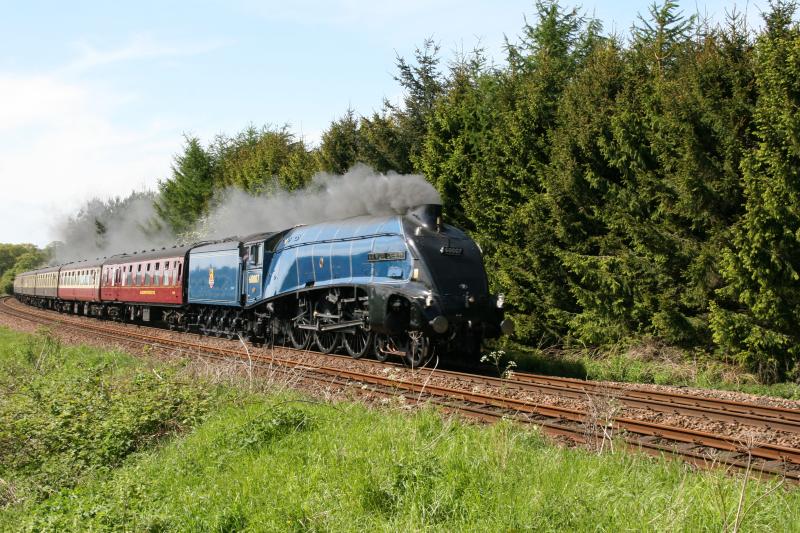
[(405, 285)]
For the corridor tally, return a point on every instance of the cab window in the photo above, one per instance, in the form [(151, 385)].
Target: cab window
[(255, 255)]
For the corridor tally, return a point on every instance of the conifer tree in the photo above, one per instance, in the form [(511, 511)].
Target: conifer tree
[(262, 160), (340, 147), (758, 315), (185, 196)]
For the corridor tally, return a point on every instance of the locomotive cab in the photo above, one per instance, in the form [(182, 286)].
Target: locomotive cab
[(254, 259)]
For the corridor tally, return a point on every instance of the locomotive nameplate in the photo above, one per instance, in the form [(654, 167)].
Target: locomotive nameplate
[(386, 256)]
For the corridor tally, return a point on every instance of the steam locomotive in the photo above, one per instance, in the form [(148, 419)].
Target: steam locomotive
[(405, 285)]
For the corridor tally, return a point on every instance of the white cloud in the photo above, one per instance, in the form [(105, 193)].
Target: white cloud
[(138, 48), (64, 140), (61, 145), (30, 101)]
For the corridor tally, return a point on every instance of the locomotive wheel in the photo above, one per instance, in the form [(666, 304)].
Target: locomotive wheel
[(298, 337), (326, 341), (357, 343), (418, 350)]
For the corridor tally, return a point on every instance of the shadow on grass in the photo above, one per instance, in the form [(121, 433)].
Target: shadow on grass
[(542, 362)]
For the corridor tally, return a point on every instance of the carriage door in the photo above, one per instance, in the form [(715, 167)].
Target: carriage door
[(254, 264)]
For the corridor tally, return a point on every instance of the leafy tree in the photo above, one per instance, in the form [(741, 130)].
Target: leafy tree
[(9, 253), (27, 257)]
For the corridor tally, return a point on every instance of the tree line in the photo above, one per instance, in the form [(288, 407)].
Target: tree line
[(638, 185)]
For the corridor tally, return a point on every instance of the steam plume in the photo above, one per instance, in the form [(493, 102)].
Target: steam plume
[(360, 191), (102, 229)]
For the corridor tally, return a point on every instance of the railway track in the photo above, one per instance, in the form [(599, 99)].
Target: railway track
[(702, 449)]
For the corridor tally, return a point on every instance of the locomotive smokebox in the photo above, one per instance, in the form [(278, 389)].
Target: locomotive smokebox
[(429, 215)]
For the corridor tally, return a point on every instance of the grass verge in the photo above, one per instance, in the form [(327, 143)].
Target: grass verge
[(178, 453), (642, 361)]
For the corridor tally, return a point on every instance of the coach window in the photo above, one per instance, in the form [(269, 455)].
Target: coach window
[(178, 279)]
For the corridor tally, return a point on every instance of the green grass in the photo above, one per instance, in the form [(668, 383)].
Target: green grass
[(643, 362), (242, 461)]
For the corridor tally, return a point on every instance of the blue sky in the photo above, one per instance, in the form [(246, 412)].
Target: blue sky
[(95, 96)]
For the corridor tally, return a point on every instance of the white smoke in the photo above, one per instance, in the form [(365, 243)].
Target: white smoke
[(105, 228), (360, 191)]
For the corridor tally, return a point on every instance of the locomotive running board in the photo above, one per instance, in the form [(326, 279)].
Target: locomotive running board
[(331, 327)]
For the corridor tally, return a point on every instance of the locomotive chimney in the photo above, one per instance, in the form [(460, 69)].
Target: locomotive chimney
[(429, 215)]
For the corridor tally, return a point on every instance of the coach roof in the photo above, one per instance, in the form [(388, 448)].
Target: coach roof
[(149, 255), (80, 265)]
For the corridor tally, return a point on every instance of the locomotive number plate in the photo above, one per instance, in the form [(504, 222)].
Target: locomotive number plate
[(450, 250)]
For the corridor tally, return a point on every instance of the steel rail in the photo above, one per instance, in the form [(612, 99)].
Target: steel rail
[(715, 449)]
